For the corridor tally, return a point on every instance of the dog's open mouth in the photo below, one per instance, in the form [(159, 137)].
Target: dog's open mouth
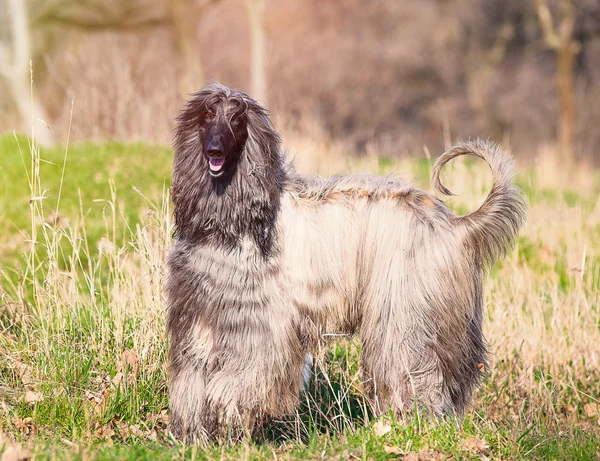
[(215, 166)]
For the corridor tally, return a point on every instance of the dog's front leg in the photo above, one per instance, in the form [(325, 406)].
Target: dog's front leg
[(191, 356), (260, 368)]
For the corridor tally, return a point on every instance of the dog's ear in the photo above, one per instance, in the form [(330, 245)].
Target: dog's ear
[(263, 143)]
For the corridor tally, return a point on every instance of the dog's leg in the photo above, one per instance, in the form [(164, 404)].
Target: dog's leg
[(191, 354), (402, 368), (422, 352), (260, 369), (187, 405)]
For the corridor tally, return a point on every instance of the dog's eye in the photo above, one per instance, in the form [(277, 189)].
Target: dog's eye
[(209, 115)]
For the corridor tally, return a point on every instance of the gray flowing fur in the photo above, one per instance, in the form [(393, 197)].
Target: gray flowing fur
[(268, 260)]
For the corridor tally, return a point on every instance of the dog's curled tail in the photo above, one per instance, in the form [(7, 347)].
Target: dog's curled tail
[(492, 229)]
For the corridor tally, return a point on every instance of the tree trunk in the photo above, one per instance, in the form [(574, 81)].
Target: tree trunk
[(19, 75), (256, 9), (184, 18), (561, 39), (565, 68)]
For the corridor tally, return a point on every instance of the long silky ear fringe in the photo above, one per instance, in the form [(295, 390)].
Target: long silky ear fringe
[(493, 228)]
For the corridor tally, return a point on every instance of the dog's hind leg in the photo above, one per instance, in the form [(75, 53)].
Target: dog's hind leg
[(423, 349), (401, 365), (421, 329)]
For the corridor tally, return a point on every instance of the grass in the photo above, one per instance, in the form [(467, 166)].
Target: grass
[(82, 346)]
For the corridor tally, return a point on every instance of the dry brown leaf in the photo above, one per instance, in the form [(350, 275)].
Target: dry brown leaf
[(381, 428), (98, 402), (392, 449), (130, 360), (591, 410), (105, 432), (25, 425), (123, 431), (475, 445), (159, 418), (568, 409), (431, 455), (31, 397), (135, 431), (425, 455), (24, 372)]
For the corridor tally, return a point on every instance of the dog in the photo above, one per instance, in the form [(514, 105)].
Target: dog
[(265, 260)]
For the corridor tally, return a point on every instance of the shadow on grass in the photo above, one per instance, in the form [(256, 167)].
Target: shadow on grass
[(334, 402)]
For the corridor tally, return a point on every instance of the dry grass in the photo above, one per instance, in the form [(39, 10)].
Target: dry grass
[(82, 345)]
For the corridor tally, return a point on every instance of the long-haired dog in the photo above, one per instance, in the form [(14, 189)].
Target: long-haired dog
[(266, 260)]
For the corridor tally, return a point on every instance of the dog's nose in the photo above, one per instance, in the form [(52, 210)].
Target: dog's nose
[(215, 149)]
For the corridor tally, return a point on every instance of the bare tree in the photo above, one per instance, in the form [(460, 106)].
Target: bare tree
[(16, 67), (256, 13), (182, 16), (123, 16), (560, 38)]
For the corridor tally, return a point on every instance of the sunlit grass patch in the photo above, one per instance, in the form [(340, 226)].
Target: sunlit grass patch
[(82, 340)]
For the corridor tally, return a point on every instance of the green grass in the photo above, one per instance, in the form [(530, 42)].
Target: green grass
[(82, 346), (95, 178)]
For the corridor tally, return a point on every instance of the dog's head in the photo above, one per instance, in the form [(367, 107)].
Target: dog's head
[(219, 129), (228, 171)]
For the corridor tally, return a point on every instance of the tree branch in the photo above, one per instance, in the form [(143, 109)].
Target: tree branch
[(550, 36)]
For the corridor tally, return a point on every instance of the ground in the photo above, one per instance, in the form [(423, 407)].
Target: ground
[(83, 235)]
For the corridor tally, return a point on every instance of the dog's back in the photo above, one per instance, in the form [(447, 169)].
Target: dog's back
[(375, 255)]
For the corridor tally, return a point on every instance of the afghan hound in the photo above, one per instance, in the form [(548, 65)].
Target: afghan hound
[(266, 260)]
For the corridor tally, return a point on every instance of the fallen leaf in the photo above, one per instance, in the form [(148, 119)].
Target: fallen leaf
[(117, 379), (381, 428), (25, 425), (97, 401), (31, 397), (591, 409), (105, 432), (159, 418), (123, 431), (425, 455), (130, 360), (475, 445), (392, 450), (431, 455), (24, 372), (568, 409)]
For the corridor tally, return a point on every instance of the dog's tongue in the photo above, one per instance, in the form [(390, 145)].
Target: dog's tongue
[(215, 164)]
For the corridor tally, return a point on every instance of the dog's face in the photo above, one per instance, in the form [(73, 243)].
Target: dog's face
[(223, 129), (223, 138)]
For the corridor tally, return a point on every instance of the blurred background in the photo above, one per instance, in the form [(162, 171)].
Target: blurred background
[(388, 75)]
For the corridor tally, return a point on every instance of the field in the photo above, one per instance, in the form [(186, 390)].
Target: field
[(84, 231)]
